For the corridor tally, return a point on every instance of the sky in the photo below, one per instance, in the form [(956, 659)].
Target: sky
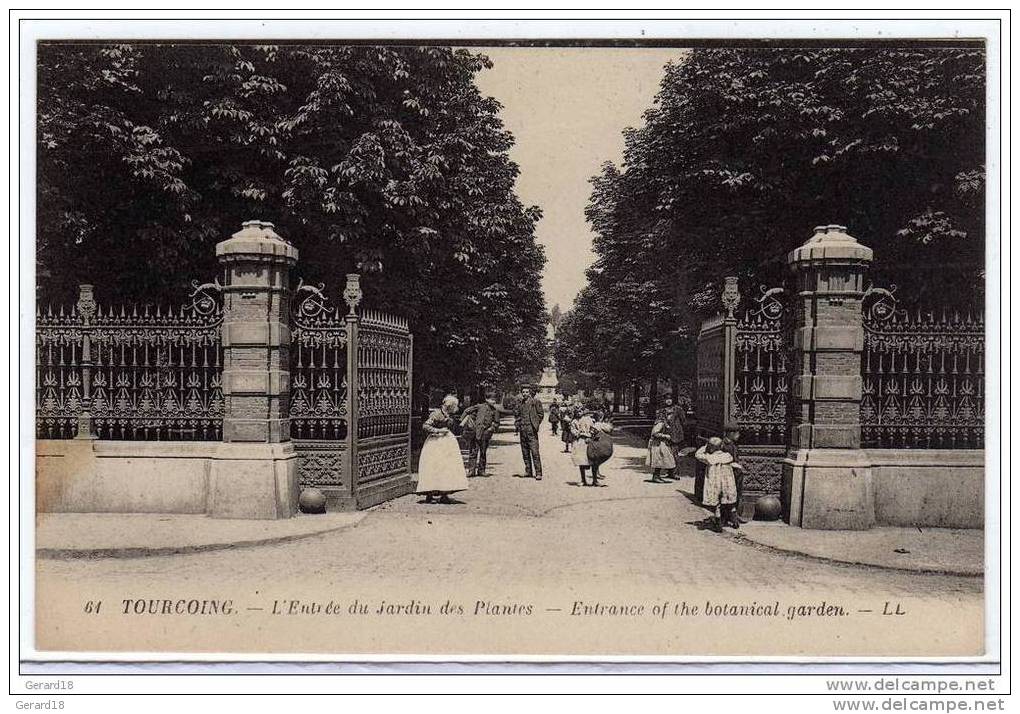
[(567, 109)]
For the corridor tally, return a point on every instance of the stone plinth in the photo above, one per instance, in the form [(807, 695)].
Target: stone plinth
[(246, 482), (255, 481), (827, 480)]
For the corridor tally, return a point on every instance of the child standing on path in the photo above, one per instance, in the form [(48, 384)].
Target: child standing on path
[(581, 428), (720, 485), (660, 448), (566, 418)]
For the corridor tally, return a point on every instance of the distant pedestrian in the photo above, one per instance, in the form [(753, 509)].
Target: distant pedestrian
[(529, 418), (440, 468), (554, 416), (720, 486), (566, 435)]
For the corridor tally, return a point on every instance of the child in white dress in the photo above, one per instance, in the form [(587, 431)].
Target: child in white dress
[(720, 484)]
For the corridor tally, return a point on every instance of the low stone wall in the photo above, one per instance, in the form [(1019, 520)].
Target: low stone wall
[(83, 476), (937, 488)]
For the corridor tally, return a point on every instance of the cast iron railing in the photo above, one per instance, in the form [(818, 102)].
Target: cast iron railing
[(923, 377), (139, 372)]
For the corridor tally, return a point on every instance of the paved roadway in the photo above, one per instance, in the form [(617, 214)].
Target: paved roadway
[(549, 543)]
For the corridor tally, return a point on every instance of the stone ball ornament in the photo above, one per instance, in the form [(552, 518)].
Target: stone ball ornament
[(768, 508), (312, 500)]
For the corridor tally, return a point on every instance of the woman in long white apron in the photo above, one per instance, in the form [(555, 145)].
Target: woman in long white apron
[(440, 467)]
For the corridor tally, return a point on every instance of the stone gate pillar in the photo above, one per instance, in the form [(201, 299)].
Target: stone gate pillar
[(826, 475), (255, 472)]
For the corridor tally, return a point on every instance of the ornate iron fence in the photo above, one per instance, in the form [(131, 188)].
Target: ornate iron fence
[(131, 373), (923, 377)]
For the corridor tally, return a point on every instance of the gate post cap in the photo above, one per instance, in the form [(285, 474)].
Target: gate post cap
[(257, 240), (831, 243)]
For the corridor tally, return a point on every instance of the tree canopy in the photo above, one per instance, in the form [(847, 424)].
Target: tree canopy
[(745, 151), (383, 160)]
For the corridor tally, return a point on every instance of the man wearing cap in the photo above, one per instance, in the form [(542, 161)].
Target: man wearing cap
[(484, 421), (731, 435), (529, 418)]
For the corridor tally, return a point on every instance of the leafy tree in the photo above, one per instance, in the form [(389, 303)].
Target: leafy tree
[(380, 160), (746, 150)]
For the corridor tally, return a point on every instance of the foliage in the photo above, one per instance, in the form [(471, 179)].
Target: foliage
[(745, 151), (366, 158)]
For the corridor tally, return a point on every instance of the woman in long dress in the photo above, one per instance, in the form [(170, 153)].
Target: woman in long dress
[(440, 468)]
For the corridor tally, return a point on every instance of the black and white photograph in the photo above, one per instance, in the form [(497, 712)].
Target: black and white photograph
[(549, 347)]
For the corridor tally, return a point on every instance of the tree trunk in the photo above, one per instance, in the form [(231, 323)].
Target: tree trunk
[(616, 397), (635, 404), (653, 396)]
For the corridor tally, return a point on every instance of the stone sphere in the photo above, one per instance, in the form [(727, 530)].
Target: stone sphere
[(768, 508), (312, 500)]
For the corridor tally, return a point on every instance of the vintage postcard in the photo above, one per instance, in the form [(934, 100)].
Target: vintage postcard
[(558, 348)]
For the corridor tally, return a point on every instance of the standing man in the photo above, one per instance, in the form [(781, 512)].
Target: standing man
[(529, 418), (676, 417), (485, 418), (731, 435), (554, 416)]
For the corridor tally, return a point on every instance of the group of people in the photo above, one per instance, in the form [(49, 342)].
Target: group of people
[(442, 471), (719, 454), (585, 433)]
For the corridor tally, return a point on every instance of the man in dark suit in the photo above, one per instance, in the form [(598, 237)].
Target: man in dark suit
[(486, 419), (529, 418)]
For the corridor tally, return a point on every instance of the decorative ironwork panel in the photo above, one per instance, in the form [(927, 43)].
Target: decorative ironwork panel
[(384, 376), (321, 464), (376, 461), (761, 384), (318, 368), (140, 373), (923, 377), (763, 469)]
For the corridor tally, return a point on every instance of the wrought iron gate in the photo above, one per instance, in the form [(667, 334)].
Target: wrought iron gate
[(761, 390), (350, 403), (743, 377)]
